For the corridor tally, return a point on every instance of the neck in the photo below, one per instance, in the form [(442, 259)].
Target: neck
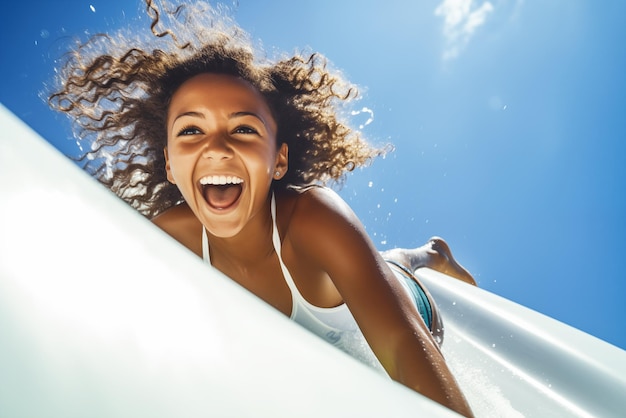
[(252, 245)]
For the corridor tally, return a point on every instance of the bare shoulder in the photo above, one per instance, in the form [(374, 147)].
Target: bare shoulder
[(321, 222), (174, 217), (181, 223), (320, 202)]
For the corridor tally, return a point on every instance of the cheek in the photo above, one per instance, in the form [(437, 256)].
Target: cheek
[(179, 162), (185, 150), (262, 161)]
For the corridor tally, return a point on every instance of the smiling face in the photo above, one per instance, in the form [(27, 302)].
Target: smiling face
[(221, 150)]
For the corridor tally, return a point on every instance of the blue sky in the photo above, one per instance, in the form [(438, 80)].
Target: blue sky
[(508, 118)]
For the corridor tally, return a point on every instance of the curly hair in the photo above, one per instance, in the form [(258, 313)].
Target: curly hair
[(117, 98)]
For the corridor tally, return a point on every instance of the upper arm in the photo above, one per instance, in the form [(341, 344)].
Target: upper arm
[(330, 234)]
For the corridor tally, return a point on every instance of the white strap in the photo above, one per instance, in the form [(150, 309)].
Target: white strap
[(295, 294), (206, 256)]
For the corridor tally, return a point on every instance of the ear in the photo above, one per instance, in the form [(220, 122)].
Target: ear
[(168, 170), (282, 162)]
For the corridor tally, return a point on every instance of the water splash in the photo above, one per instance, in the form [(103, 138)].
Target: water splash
[(367, 110)]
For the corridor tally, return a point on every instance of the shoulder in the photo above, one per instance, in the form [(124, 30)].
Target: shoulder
[(313, 207), (321, 224), (318, 198), (174, 216), (182, 225)]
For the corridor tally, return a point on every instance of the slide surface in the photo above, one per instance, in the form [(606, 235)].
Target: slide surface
[(102, 314), (512, 361)]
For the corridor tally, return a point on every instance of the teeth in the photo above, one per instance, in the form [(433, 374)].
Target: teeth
[(220, 180)]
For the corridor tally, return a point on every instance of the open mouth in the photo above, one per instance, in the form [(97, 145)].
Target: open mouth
[(221, 192)]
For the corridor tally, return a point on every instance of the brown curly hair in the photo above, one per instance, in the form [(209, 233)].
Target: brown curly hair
[(117, 98)]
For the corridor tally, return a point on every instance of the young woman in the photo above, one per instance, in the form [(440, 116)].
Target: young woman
[(229, 154)]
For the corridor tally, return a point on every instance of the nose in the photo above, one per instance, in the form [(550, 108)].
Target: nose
[(217, 148)]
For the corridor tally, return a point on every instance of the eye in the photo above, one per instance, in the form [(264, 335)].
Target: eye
[(189, 130), (245, 129)]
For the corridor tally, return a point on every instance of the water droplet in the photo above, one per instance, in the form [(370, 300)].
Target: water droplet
[(93, 9), (369, 120), (44, 34), (370, 184), (493, 345)]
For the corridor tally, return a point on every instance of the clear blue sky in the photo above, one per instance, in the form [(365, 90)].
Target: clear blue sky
[(508, 117)]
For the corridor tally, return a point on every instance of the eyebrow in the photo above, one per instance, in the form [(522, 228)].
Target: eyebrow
[(194, 114), (244, 113), (230, 116)]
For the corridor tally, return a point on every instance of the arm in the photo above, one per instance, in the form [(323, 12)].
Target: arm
[(326, 230)]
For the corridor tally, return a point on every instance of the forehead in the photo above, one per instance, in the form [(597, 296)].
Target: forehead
[(219, 89), (220, 94)]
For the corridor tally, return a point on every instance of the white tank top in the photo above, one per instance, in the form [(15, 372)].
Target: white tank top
[(335, 325)]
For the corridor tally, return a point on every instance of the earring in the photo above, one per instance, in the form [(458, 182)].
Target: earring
[(277, 174)]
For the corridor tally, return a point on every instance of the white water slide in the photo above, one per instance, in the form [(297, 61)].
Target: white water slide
[(103, 315)]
